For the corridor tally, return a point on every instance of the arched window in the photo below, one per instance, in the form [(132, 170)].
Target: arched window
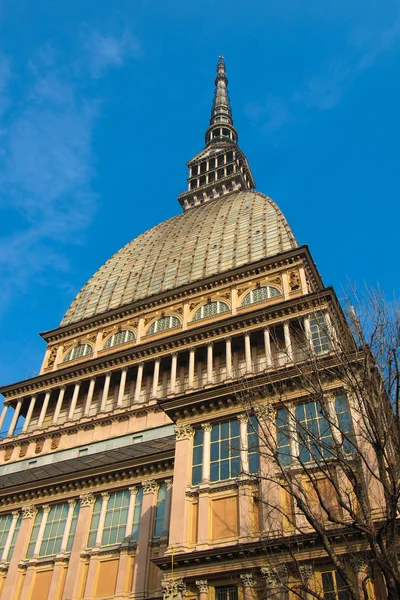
[(79, 352), (210, 309), (121, 337), (164, 323), (260, 295)]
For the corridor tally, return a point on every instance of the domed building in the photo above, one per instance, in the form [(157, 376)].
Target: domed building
[(131, 466)]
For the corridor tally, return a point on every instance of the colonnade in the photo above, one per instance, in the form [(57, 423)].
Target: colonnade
[(187, 358)]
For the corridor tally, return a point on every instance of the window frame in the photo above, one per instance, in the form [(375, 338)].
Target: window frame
[(172, 325), (70, 354), (269, 296), (110, 342), (200, 310)]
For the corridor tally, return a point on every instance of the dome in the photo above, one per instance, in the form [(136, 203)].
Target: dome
[(215, 237)]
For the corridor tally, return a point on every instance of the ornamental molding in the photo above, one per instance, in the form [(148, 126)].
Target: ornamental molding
[(247, 579), (358, 563), (173, 588), (202, 586), (306, 572), (207, 427), (87, 499), (183, 432), (150, 486), (29, 511), (265, 412), (243, 418), (275, 577)]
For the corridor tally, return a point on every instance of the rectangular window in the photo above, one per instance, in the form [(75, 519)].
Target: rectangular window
[(225, 451), (53, 531), (334, 587), (160, 510), (5, 525), (226, 592), (319, 334), (252, 444), (116, 517), (197, 456), (312, 431)]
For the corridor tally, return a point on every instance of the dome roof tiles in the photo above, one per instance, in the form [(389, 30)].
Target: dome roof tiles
[(219, 235)]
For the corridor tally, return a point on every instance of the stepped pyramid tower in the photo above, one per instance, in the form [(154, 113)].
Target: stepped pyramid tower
[(128, 467)]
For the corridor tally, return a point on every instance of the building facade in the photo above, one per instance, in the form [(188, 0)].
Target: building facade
[(130, 468)]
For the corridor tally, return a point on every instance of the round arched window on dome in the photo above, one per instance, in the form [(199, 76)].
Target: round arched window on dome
[(79, 351), (210, 309), (163, 324), (120, 337), (261, 294)]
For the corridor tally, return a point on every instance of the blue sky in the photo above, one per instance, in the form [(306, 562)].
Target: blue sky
[(102, 103)]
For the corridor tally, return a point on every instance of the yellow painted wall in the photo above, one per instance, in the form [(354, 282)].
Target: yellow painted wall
[(194, 517), (107, 577), (225, 517), (41, 585)]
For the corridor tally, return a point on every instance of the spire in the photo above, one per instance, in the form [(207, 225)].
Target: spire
[(221, 168), (221, 113)]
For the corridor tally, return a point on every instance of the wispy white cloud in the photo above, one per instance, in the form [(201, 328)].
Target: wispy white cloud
[(105, 50), (323, 91), (47, 166)]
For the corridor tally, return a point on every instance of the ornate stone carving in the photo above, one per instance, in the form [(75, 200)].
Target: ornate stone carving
[(150, 486), (55, 442), (202, 586), (133, 490), (39, 446), (105, 495), (173, 588), (8, 452), (87, 499), (183, 432), (29, 511), (23, 450), (206, 427), (72, 503), (264, 412), (294, 280), (247, 579), (243, 418), (358, 563), (52, 357), (275, 577), (168, 483), (46, 508), (306, 572)]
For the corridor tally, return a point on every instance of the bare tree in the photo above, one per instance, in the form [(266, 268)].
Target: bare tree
[(329, 441)]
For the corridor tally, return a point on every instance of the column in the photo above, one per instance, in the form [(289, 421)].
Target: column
[(267, 348), (167, 508), (72, 581), (244, 454), (228, 354), (44, 409), (192, 355), (121, 389), (60, 399), (29, 414), (247, 352), (179, 522), (156, 376), (105, 392), (210, 363), (64, 542), (131, 510), (205, 473), (141, 564), (10, 535), (46, 510), (202, 586), (74, 401), (139, 377), (174, 364), (15, 418), (89, 396), (332, 338), (248, 584), (21, 545), (288, 342), (3, 415), (99, 535), (307, 331)]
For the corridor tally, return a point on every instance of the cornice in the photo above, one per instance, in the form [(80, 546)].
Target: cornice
[(264, 314), (209, 283)]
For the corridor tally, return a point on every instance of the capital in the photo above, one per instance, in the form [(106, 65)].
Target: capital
[(183, 432), (46, 508), (150, 486), (105, 496), (247, 579), (275, 577), (72, 503), (243, 418), (133, 490), (168, 483), (206, 427), (124, 369), (202, 586), (87, 499), (306, 572)]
